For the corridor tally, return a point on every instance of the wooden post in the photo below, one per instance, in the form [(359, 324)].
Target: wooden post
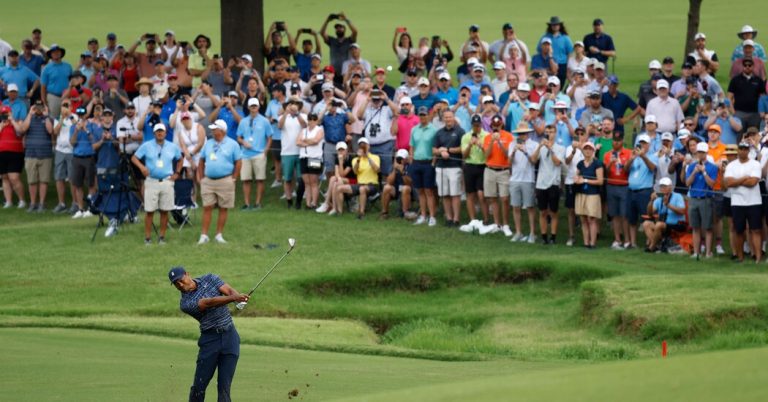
[(242, 29)]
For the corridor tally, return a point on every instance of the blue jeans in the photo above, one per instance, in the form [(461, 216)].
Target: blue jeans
[(217, 350)]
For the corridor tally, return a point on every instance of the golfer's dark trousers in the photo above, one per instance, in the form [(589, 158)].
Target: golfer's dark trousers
[(219, 348)]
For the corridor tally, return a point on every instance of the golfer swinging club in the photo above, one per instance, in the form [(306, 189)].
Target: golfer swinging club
[(205, 299)]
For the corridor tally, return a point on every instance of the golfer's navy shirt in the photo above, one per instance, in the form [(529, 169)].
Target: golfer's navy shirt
[(216, 317)]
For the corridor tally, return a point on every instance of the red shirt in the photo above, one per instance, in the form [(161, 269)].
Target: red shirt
[(75, 97), (535, 96), (9, 142), (130, 77), (616, 174)]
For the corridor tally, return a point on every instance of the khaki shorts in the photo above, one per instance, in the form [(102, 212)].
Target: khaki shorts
[(38, 170), (254, 168), (218, 192), (589, 205), (158, 195), (449, 181), (496, 183)]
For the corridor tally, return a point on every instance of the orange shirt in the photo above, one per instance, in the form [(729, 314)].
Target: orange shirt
[(498, 157), (615, 173), (717, 153)]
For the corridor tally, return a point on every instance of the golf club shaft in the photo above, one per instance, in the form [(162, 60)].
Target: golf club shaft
[(270, 271)]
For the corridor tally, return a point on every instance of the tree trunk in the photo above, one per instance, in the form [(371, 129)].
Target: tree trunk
[(694, 11), (242, 29)]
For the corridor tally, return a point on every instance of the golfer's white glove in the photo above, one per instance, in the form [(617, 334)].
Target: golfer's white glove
[(241, 305)]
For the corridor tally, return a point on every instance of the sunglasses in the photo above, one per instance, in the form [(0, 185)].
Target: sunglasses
[(748, 65), (688, 124)]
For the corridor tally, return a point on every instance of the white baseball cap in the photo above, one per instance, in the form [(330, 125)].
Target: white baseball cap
[(662, 83), (702, 147), (534, 106), (478, 67), (666, 181), (683, 132), (560, 105), (219, 125), (423, 81), (578, 43), (748, 42), (546, 40), (472, 60), (486, 98), (667, 136), (405, 100), (599, 65), (523, 86), (650, 119), (499, 65), (444, 76), (699, 35), (553, 80), (363, 140), (401, 153), (253, 102), (12, 87), (247, 57), (341, 145), (158, 127), (644, 138), (654, 65), (328, 86)]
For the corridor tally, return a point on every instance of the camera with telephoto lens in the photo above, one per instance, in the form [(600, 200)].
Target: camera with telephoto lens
[(374, 130)]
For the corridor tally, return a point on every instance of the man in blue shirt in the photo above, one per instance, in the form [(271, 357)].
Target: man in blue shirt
[(641, 168), (55, 80), (107, 157), (151, 118), (565, 126), (83, 164), (335, 121), (545, 59), (220, 164), (670, 208), (30, 60), (445, 90), (516, 108), (254, 134), (273, 112), (161, 166), (425, 97), (18, 106), (25, 80), (475, 83), (206, 299), (618, 103), (598, 44), (700, 178)]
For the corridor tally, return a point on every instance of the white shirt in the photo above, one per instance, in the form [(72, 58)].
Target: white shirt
[(662, 170), (498, 49), (62, 140), (549, 174), (312, 151), (291, 130), (378, 124), (578, 100), (142, 104), (571, 170), (127, 127), (499, 87), (742, 195), (522, 169)]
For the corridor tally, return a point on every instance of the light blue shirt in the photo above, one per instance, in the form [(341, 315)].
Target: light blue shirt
[(18, 108), (655, 145), (273, 114), (256, 131), (451, 95), (55, 77), (515, 114), (220, 157), (22, 76), (563, 134), (676, 200), (159, 159), (640, 177), (562, 46), (548, 107), (464, 117), (727, 136), (84, 140)]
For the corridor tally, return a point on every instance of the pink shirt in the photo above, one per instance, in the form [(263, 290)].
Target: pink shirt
[(517, 66), (404, 126)]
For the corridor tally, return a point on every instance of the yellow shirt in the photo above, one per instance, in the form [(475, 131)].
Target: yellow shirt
[(196, 62), (365, 174)]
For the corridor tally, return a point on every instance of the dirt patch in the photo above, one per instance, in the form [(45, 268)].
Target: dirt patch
[(293, 393)]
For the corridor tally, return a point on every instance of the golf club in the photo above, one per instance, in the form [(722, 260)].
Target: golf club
[(291, 245)]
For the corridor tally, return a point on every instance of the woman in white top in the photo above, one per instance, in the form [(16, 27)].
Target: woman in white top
[(310, 143), (573, 156), (578, 60), (402, 46), (190, 137)]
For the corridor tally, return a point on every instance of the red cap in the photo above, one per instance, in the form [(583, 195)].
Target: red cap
[(172, 76), (330, 69), (5, 109), (380, 71)]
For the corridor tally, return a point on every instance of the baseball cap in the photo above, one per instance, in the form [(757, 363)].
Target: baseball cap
[(499, 65), (329, 69), (401, 153), (423, 111), (662, 83), (496, 119), (253, 102), (472, 60), (13, 52), (423, 81), (474, 27), (594, 93), (534, 106), (232, 93), (159, 62), (644, 138), (159, 126), (578, 43), (405, 100), (599, 65), (111, 36), (553, 80), (130, 105), (247, 57), (13, 87), (476, 119), (524, 86), (691, 81), (597, 21), (715, 127), (614, 80), (699, 35), (683, 133), (380, 71), (687, 65), (295, 87), (667, 136), (654, 65), (176, 273), (668, 60), (319, 57), (748, 42), (354, 45), (666, 181), (363, 140), (702, 147), (560, 105), (588, 145), (341, 145), (731, 149), (546, 40), (444, 76), (478, 67), (650, 119), (486, 98), (617, 135), (506, 26), (218, 124), (744, 144), (107, 111), (328, 86), (169, 32)]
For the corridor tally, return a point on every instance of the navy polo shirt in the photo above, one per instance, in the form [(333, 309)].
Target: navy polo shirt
[(619, 106), (215, 317), (149, 133), (699, 188), (602, 42), (165, 113), (107, 156), (335, 127), (540, 62), (84, 140)]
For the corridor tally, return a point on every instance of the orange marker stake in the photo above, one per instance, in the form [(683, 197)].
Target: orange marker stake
[(663, 349)]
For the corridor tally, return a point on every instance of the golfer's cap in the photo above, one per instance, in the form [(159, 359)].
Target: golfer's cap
[(650, 119), (578, 43), (644, 138), (553, 80), (476, 119), (423, 81), (478, 67), (423, 111), (405, 100), (715, 127), (662, 83), (328, 86), (176, 273), (560, 105), (12, 87), (247, 57), (499, 65), (748, 42), (683, 133), (363, 140), (546, 40), (699, 35), (534, 106), (702, 147), (667, 136), (524, 86), (472, 60), (588, 145), (486, 98), (401, 153), (341, 145), (599, 65), (666, 181), (654, 65), (731, 149), (185, 116), (744, 144), (444, 76), (219, 125), (158, 127)]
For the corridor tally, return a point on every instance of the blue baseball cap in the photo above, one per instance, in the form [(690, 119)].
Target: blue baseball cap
[(176, 273), (613, 79)]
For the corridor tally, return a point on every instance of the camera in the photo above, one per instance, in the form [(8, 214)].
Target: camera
[(319, 77), (306, 30), (333, 16), (374, 130), (279, 25), (183, 44), (402, 29), (215, 56), (399, 160), (659, 194), (150, 36), (520, 141), (336, 104)]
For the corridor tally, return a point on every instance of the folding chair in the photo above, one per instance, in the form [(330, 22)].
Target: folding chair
[(183, 202), (115, 201)]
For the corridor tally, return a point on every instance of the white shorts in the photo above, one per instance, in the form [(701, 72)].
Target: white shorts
[(449, 181), (158, 195), (254, 168)]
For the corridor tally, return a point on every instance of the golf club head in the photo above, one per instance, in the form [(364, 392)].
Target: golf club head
[(241, 305), (291, 242)]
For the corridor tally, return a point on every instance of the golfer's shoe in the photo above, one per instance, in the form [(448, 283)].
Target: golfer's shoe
[(203, 239)]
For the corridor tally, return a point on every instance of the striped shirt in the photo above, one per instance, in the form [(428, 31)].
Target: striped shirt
[(215, 317)]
